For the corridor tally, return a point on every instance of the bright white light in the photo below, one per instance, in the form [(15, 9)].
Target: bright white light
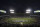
[(36, 11), (11, 10), (3, 11), (28, 10)]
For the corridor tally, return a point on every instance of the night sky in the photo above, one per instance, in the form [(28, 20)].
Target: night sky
[(19, 5)]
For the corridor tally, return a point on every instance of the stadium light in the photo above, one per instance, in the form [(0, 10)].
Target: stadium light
[(11, 11), (3, 11), (28, 11), (37, 11)]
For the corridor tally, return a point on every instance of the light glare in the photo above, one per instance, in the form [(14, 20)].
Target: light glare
[(36, 11), (11, 12), (3, 11), (27, 12)]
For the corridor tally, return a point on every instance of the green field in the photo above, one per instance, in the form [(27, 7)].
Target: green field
[(20, 20)]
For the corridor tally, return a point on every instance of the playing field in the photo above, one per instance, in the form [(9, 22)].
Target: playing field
[(20, 20)]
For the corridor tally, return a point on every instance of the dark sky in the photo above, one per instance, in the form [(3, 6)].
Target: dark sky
[(19, 5)]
